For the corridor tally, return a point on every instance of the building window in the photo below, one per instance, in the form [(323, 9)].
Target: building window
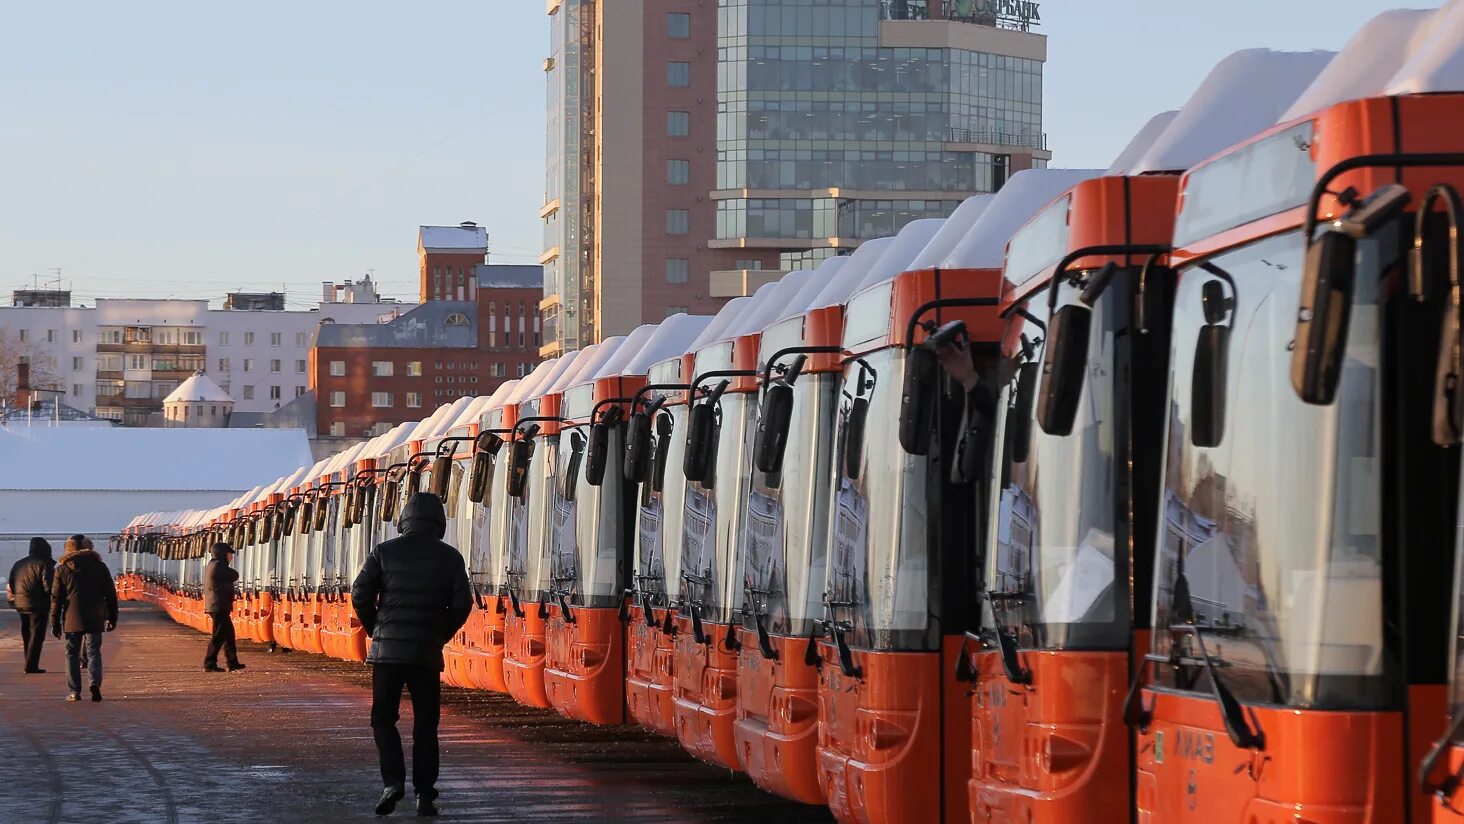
[(337, 369), (76, 390), (274, 393), (137, 362), (676, 269), (678, 221), (678, 75), (300, 367), (193, 338), (276, 338), (76, 336), (749, 264), (522, 370), (223, 339), (414, 369), (678, 24), (678, 172), (338, 429), (223, 364), (24, 335), (414, 400), (299, 391), (457, 319), (248, 393), (678, 124), (248, 364), (274, 366), (248, 338), (381, 400), (50, 336), (77, 364), (676, 310), (381, 369), (338, 399), (302, 338)]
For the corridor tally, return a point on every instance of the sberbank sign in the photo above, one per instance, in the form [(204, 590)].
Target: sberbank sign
[(1025, 12)]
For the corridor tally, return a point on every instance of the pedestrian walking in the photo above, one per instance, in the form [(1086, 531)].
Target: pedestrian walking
[(83, 606), (28, 590), (411, 597), (218, 602)]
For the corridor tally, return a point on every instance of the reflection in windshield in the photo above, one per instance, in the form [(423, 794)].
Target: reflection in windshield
[(784, 541), (713, 516), (660, 516), (1051, 571), (1271, 539)]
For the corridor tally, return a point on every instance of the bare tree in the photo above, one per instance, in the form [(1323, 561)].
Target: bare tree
[(13, 352)]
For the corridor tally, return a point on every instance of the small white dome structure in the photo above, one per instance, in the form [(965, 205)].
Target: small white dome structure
[(197, 403)]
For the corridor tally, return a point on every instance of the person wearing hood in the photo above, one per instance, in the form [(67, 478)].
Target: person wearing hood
[(218, 603), (83, 605), (29, 591), (411, 597)]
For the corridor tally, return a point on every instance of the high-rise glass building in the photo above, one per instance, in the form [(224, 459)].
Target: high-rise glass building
[(840, 121)]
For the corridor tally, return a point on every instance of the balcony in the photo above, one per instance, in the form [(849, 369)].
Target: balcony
[(1020, 140), (146, 348), (124, 402), (109, 375), (736, 283)]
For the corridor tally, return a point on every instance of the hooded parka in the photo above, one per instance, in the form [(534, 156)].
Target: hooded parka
[(412, 593), (83, 597), (30, 579), (218, 581)]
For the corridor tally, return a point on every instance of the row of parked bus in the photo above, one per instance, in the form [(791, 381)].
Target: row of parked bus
[(1184, 552)]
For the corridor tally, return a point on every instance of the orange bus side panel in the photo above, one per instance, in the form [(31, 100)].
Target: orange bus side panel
[(777, 718), (705, 694), (584, 669), (523, 658)]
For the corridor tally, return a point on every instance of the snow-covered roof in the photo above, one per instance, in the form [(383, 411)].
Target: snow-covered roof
[(1437, 64), (128, 458), (501, 395), (780, 293), (1367, 63), (1142, 141), (984, 246), (528, 386), (449, 417), (852, 272), (721, 322), (591, 367), (824, 275), (198, 389), (916, 235), (673, 338), (1244, 94), (583, 366), (628, 351), (950, 234), (465, 238)]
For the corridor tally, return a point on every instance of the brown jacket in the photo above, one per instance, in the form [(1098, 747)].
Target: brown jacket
[(83, 597)]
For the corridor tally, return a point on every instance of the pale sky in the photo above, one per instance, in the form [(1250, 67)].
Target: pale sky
[(163, 148)]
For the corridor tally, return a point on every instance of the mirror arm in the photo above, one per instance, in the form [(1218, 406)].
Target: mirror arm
[(1400, 161), (639, 396), (720, 373), (940, 303), (1060, 274), (767, 373), (537, 419), (453, 442), (1453, 210), (607, 402)]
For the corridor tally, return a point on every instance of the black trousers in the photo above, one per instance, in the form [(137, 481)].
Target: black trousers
[(33, 636), (425, 686), (221, 639)]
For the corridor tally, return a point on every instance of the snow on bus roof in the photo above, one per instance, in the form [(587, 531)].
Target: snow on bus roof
[(721, 321), (896, 259), (567, 366), (840, 287), (628, 351), (768, 301), (1367, 63), (823, 277), (1141, 142), (591, 366), (528, 386), (448, 416), (1437, 65), (984, 246), (136, 458), (1244, 94), (673, 338), (955, 228), (501, 395)]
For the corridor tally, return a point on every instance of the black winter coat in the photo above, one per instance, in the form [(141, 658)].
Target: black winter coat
[(218, 581), (83, 598), (30, 579), (412, 594)]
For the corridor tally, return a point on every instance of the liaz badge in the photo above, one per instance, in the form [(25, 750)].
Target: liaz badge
[(1159, 747)]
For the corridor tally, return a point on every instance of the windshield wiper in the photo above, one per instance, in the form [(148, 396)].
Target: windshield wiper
[(1236, 724), (1445, 789), (764, 641)]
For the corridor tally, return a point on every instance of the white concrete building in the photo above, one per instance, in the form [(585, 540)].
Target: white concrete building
[(120, 358)]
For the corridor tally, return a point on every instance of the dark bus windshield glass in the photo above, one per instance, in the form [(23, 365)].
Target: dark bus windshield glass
[(713, 516), (1051, 574), (1270, 543), (880, 574), (659, 519), (784, 542)]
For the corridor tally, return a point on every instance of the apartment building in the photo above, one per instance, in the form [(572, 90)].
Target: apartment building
[(120, 358)]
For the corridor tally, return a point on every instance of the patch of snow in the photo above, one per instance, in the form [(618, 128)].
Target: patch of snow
[(908, 243), (198, 389), (1437, 64), (1365, 66), (955, 228), (1141, 142), (984, 246), (673, 338)]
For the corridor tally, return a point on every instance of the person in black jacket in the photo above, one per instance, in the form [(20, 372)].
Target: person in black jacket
[(218, 603), (411, 597), (29, 591), (83, 604)]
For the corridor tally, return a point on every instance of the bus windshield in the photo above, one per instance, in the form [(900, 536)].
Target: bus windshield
[(712, 514), (1051, 574), (657, 570), (1270, 544), (879, 572), (785, 537)]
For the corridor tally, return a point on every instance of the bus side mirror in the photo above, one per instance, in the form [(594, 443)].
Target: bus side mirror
[(1207, 391), (917, 400), (441, 475), (599, 446), (322, 513), (389, 498), (1064, 365), (772, 428), (664, 427), (854, 436), (699, 431), (570, 480), (1323, 316), (1020, 421), (637, 447), (519, 456), (478, 479)]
